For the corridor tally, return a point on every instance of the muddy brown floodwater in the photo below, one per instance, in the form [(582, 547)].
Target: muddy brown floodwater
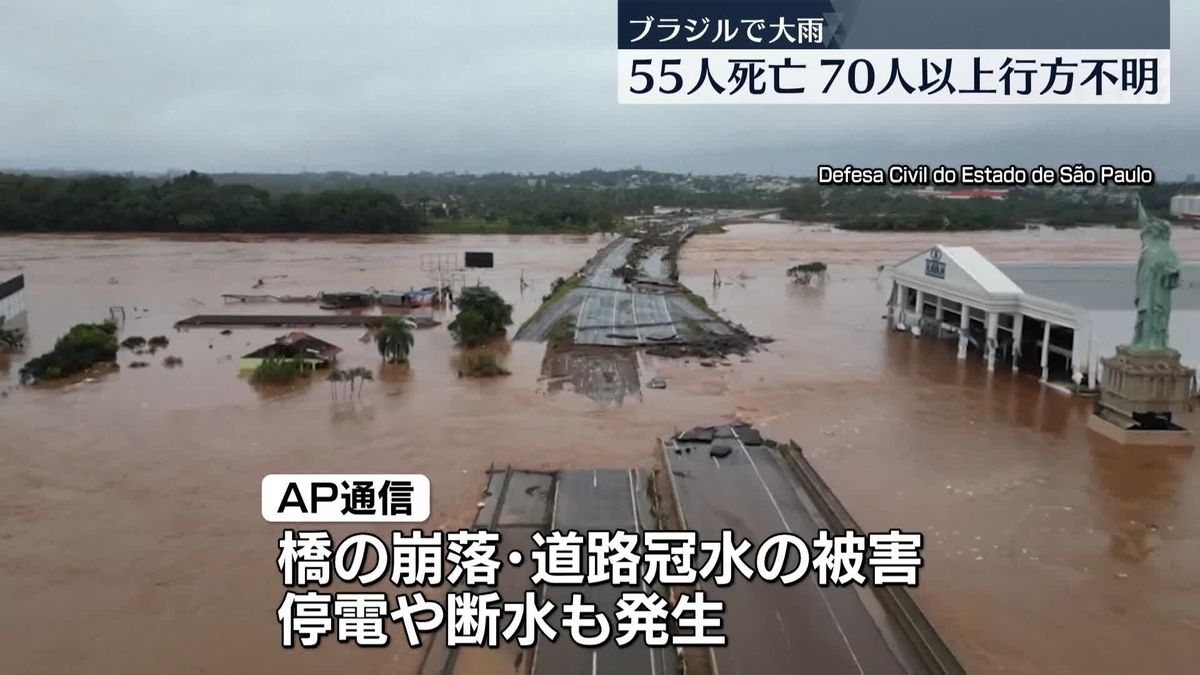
[(130, 534)]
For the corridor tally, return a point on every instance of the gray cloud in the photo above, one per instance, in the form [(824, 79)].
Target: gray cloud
[(373, 85)]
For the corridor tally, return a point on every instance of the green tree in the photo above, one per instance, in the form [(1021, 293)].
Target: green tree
[(85, 345), (394, 339), (336, 377), (278, 371), (802, 203), (482, 317)]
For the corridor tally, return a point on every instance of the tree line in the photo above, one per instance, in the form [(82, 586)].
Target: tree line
[(343, 202), (881, 208), (192, 203)]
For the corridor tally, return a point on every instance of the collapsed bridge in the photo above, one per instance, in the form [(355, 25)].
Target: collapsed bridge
[(713, 479)]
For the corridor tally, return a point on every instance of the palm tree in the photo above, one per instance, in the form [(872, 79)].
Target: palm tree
[(395, 339), (335, 377), (364, 375)]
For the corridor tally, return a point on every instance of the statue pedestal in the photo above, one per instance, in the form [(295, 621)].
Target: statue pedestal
[(1140, 393)]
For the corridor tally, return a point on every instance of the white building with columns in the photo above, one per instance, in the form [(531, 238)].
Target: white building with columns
[(1055, 320), (12, 300)]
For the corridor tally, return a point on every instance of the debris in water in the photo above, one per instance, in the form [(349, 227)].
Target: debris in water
[(720, 450), (696, 435), (657, 383)]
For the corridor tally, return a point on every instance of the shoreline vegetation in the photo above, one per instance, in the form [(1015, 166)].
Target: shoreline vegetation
[(892, 210), (578, 203)]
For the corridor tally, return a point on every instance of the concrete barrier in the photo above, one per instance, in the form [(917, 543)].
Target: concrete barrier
[(895, 600)]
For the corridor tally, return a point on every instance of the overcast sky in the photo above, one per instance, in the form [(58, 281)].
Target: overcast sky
[(513, 85)]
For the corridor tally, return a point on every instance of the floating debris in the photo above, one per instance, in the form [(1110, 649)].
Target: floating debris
[(720, 450)]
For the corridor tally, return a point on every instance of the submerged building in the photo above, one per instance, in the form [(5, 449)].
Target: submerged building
[(12, 301), (1055, 320), (312, 352)]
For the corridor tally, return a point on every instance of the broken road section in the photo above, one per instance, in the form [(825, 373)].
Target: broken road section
[(729, 478), (628, 296)]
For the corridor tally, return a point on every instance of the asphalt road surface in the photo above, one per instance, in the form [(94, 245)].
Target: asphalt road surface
[(518, 503), (608, 312), (607, 499), (772, 628)]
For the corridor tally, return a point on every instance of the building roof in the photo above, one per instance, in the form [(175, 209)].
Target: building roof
[(12, 286), (1097, 286), (982, 270), (294, 344)]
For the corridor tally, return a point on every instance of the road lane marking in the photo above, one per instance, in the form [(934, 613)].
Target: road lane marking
[(613, 328), (637, 526), (636, 329), (545, 588), (579, 319), (662, 298), (820, 591)]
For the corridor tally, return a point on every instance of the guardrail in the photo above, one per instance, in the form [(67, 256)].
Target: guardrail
[(924, 638)]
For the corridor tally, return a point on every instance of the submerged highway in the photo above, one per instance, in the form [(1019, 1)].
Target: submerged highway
[(774, 629), (517, 504), (609, 310)]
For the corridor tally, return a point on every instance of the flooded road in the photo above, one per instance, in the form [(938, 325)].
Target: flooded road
[(130, 535)]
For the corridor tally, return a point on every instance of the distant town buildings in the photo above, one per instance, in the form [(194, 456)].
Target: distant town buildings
[(999, 195), (1185, 206)]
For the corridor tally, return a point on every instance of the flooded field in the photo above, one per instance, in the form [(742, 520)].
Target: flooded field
[(130, 535)]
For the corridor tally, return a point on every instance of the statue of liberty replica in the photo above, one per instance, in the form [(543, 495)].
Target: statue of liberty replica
[(1145, 385), (1157, 276)]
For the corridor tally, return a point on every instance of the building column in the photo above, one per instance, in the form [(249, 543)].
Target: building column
[(916, 327), (1018, 328), (993, 323), (895, 299), (940, 312), (1046, 351), (1078, 358), (964, 324), (901, 304)]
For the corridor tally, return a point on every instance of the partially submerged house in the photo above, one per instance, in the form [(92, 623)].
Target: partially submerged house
[(311, 351)]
